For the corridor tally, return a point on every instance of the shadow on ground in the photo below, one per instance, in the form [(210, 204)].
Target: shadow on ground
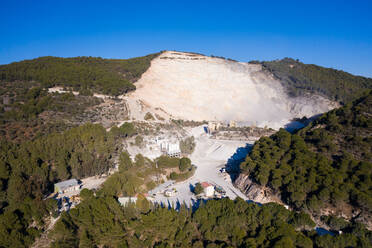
[(298, 124), (233, 163)]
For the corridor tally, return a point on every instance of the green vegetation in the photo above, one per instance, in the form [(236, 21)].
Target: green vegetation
[(198, 189), (185, 163), (125, 130), (27, 111), (186, 170), (187, 145), (28, 171), (15, 229), (301, 78), (85, 74), (187, 123), (102, 222), (183, 176), (137, 177), (149, 116), (138, 141), (132, 178), (335, 223), (182, 165), (38, 100), (168, 162), (181, 168), (325, 165)]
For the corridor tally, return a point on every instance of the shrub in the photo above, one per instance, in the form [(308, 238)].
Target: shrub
[(187, 145), (185, 163), (138, 141), (148, 116), (198, 189)]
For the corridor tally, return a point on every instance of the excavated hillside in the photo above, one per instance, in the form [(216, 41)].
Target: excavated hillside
[(191, 86)]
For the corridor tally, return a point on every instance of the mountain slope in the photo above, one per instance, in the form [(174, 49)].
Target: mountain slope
[(299, 78), (326, 168), (101, 222), (28, 109), (185, 85), (197, 87), (108, 76)]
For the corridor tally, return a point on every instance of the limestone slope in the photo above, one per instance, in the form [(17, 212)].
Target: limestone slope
[(195, 87)]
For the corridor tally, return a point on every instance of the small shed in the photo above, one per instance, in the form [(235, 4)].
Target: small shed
[(66, 186)]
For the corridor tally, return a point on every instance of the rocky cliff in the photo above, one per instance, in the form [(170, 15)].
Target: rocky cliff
[(196, 87), (260, 194), (255, 192)]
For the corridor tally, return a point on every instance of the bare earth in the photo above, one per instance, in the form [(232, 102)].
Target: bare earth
[(195, 87)]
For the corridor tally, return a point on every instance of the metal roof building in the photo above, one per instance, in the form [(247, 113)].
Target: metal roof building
[(68, 185)]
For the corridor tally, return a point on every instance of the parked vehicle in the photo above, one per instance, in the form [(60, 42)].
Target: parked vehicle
[(220, 190)]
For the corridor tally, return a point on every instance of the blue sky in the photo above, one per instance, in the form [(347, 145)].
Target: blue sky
[(334, 34)]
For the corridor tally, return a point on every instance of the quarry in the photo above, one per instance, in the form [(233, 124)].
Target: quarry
[(195, 87), (186, 124), (220, 106), (210, 110)]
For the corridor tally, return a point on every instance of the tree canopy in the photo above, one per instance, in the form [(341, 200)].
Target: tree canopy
[(218, 223), (300, 78), (29, 170), (108, 76), (325, 165)]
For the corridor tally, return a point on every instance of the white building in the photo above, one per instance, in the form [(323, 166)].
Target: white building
[(208, 189), (170, 149), (213, 126), (174, 150), (232, 124)]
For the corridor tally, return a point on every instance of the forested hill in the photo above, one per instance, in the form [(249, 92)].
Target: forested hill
[(300, 78), (29, 170), (116, 76), (101, 222), (108, 76), (325, 167)]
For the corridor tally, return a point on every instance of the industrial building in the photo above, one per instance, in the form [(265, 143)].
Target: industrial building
[(170, 149), (67, 186), (232, 124), (213, 126)]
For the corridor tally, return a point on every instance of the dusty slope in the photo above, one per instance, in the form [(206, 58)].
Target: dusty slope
[(195, 87)]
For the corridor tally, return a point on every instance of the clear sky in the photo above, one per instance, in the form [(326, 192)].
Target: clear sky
[(334, 34)]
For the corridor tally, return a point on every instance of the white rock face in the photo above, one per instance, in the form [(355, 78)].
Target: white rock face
[(195, 87)]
